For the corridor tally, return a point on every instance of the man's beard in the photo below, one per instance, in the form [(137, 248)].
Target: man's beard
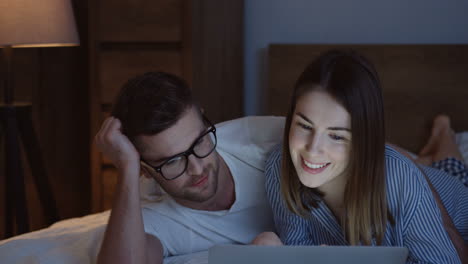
[(212, 170)]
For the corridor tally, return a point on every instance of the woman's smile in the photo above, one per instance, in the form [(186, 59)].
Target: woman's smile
[(314, 168)]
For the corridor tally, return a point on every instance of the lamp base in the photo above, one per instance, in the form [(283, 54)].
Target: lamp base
[(17, 123)]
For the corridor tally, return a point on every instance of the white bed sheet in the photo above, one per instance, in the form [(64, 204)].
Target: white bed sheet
[(72, 241), (78, 240)]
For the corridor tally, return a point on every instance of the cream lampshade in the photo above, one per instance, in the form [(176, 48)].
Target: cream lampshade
[(37, 23)]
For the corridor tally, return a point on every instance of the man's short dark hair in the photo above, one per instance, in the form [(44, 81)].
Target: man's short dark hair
[(150, 103)]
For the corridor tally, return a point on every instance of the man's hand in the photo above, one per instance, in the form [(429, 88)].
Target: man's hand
[(116, 146), (267, 239), (125, 240)]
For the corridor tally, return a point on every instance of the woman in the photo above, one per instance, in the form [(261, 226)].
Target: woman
[(339, 184)]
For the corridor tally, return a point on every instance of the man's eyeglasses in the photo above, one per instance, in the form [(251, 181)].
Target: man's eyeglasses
[(176, 165)]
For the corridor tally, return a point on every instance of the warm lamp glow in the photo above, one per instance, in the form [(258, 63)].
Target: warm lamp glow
[(37, 23)]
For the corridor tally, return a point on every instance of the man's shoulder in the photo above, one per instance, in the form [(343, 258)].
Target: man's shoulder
[(160, 208)]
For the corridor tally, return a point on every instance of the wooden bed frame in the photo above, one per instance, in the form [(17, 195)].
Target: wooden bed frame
[(418, 82)]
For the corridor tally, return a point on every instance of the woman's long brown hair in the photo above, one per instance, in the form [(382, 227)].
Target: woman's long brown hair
[(353, 82)]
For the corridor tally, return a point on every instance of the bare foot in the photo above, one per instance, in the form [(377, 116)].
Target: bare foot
[(441, 143)]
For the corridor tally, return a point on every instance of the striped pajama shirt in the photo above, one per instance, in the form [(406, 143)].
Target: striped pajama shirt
[(418, 222)]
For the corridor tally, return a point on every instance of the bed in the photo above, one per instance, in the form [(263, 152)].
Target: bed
[(419, 81)]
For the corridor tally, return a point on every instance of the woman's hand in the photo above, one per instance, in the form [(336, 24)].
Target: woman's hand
[(267, 239)]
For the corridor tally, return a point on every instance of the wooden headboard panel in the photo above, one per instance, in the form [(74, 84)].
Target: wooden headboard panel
[(418, 82)]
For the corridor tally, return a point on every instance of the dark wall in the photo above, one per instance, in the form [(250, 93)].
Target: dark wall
[(71, 88), (55, 80)]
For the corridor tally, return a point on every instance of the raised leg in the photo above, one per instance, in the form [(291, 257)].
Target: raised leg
[(441, 143)]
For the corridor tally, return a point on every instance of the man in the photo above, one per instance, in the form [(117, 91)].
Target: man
[(212, 177)]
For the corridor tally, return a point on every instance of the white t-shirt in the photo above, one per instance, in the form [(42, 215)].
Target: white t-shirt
[(244, 145)]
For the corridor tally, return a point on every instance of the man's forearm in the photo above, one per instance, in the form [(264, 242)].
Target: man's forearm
[(124, 240)]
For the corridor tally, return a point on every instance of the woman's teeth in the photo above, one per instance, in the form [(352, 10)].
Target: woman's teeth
[(315, 166)]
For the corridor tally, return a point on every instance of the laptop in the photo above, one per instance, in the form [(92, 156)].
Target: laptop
[(238, 254)]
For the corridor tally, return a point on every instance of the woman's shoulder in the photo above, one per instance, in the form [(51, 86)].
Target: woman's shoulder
[(405, 183), (402, 174), (392, 154), (399, 167)]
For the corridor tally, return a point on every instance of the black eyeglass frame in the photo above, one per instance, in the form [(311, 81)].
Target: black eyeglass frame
[(188, 152)]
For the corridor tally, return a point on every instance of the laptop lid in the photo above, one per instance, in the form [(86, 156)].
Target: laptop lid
[(235, 254)]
